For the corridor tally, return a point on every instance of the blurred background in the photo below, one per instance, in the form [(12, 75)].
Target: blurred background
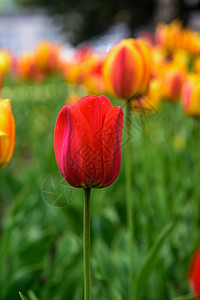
[(25, 22), (41, 237)]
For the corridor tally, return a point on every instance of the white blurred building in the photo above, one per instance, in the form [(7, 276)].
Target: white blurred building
[(21, 30)]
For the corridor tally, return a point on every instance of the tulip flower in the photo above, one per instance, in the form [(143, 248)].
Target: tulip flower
[(28, 68), (173, 80), (175, 36), (7, 132), (126, 74), (87, 142), (87, 148), (127, 69), (194, 274), (190, 96), (5, 62), (152, 101), (47, 57)]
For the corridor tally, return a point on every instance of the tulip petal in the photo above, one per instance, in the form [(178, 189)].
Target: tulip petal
[(7, 134), (194, 274), (94, 110), (87, 142), (4, 148), (111, 139), (71, 143)]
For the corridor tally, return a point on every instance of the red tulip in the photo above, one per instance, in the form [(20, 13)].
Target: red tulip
[(87, 142), (194, 274)]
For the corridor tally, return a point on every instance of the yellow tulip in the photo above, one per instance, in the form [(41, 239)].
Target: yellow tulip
[(7, 132)]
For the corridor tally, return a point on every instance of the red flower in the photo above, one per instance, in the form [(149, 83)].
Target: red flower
[(87, 142), (194, 274)]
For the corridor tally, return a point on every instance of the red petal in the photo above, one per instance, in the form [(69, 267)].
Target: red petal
[(194, 274), (94, 110), (112, 135), (71, 136)]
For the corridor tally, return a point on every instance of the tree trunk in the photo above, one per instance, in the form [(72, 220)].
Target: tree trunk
[(166, 10)]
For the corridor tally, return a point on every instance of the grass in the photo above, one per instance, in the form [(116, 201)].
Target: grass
[(41, 237)]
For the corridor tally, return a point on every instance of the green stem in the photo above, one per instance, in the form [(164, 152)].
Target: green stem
[(196, 191), (129, 208), (86, 245)]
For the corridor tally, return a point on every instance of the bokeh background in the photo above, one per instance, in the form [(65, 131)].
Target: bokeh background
[(41, 215)]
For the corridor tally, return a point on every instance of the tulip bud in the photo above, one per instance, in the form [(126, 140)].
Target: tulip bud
[(47, 57), (5, 62), (127, 69), (173, 80), (190, 96), (194, 274), (87, 142), (152, 101), (7, 132)]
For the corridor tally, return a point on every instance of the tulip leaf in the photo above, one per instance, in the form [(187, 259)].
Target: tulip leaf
[(22, 296), (184, 297), (32, 295), (149, 261)]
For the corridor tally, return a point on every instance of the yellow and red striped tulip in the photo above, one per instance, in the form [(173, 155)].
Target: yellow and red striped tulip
[(94, 80), (181, 58), (190, 96), (167, 35), (152, 101), (127, 69), (47, 57), (7, 132), (78, 68), (175, 36), (28, 68), (172, 81), (196, 66), (5, 62)]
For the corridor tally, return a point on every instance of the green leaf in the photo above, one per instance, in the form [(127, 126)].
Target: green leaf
[(32, 295), (184, 297), (22, 296), (149, 261)]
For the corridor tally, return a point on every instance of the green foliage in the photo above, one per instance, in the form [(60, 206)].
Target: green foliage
[(41, 244), (22, 296)]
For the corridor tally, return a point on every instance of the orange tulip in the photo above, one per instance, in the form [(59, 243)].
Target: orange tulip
[(47, 57), (197, 65), (7, 132), (85, 66), (173, 79), (175, 36), (127, 68), (28, 68), (190, 96), (5, 62), (152, 101)]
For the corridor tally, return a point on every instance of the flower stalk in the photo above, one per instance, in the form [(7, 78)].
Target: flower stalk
[(86, 245), (129, 208)]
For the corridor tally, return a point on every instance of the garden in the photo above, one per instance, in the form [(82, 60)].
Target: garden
[(108, 208)]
